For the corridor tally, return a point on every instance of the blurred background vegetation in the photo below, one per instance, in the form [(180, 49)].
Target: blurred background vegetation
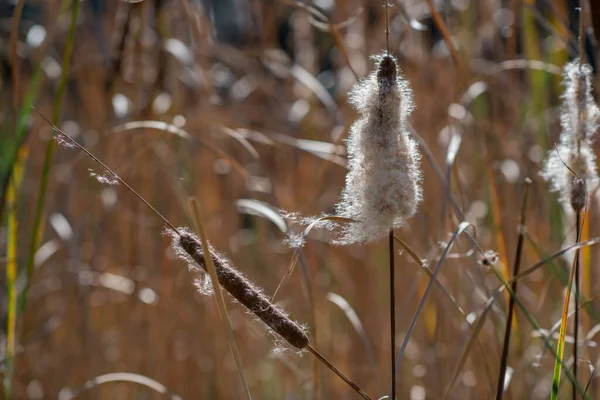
[(249, 105)]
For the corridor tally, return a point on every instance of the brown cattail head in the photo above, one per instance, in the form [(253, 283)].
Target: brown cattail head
[(578, 194), (387, 72), (243, 290)]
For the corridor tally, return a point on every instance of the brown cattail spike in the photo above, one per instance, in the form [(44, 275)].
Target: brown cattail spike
[(387, 72), (247, 294), (578, 194)]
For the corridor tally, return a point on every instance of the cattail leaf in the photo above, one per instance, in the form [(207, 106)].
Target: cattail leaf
[(473, 339), (61, 226), (242, 140), (453, 147), (560, 344), (324, 150), (306, 79), (12, 223), (45, 251)]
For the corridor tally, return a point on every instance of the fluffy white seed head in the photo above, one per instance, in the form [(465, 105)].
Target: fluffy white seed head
[(383, 187), (579, 121)]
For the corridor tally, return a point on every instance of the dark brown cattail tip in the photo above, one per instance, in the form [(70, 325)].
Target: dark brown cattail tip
[(387, 72), (244, 291), (578, 194)]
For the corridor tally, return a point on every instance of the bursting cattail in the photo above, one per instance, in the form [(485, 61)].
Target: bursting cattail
[(579, 121), (383, 187), (188, 247)]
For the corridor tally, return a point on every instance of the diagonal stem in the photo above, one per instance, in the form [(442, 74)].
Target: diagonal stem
[(338, 372)]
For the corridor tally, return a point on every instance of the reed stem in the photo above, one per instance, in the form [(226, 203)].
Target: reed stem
[(511, 302)]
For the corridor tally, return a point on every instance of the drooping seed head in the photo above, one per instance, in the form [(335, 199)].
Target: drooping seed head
[(188, 247)]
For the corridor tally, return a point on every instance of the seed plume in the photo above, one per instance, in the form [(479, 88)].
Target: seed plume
[(188, 247), (579, 121), (383, 187)]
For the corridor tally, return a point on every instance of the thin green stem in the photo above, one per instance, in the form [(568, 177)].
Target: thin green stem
[(39, 210)]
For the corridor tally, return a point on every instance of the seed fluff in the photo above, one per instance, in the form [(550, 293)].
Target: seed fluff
[(579, 121), (383, 186)]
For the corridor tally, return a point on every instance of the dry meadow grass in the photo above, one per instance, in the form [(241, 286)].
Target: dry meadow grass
[(260, 90)]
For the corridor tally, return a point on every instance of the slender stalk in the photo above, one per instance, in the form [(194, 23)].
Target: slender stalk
[(511, 303), (14, 33), (219, 299), (338, 372), (392, 315), (576, 290), (39, 209)]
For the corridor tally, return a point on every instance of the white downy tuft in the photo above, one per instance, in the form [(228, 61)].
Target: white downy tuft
[(383, 187)]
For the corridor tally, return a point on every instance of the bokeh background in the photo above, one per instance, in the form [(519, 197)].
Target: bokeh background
[(249, 106)]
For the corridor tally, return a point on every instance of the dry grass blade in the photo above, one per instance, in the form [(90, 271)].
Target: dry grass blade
[(169, 128), (124, 377), (356, 324), (212, 271), (461, 228), (489, 68), (439, 22), (558, 254), (427, 270), (262, 209), (438, 171)]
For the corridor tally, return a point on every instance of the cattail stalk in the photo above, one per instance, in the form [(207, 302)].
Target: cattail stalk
[(511, 301), (253, 299), (575, 176)]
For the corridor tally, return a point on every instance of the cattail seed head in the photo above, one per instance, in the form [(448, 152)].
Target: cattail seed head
[(578, 194), (188, 247), (579, 121), (383, 186), (387, 73)]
